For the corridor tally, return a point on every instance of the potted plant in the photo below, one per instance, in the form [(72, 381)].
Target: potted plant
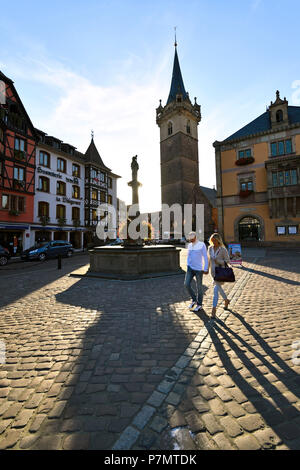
[(245, 192), (244, 161), (13, 212)]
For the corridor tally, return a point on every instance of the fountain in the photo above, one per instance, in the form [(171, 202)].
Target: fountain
[(134, 260)]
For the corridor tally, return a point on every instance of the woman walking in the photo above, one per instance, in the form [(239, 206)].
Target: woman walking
[(218, 256)]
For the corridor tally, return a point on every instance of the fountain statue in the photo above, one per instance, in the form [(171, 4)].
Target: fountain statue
[(134, 260)]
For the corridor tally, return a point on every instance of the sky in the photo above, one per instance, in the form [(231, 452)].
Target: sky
[(103, 65)]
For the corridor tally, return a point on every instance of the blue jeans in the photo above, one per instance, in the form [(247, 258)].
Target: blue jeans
[(218, 289), (190, 274)]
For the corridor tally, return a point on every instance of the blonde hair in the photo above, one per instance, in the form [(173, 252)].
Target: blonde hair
[(218, 237)]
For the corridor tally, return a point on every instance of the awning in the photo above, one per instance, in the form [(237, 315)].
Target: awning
[(14, 227)]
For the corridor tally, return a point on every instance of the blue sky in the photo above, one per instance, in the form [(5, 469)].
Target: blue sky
[(103, 65)]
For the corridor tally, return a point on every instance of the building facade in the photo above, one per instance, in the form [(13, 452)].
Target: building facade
[(100, 188), (17, 169), (59, 192), (258, 179)]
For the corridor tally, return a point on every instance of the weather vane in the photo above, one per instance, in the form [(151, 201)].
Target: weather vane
[(92, 134), (175, 27)]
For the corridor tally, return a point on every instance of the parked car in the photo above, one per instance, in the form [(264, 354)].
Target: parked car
[(118, 241), (4, 255), (45, 250)]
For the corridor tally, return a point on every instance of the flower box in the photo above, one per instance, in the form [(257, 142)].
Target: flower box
[(246, 193), (244, 161)]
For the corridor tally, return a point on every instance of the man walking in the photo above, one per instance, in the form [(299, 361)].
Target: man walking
[(197, 264)]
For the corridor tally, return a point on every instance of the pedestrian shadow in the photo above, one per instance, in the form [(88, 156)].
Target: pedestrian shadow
[(273, 277), (277, 411)]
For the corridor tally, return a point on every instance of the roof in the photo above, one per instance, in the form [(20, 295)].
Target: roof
[(92, 156), (177, 85), (11, 83), (211, 195), (263, 123)]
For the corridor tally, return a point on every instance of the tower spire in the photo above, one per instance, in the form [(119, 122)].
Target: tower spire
[(175, 44), (177, 85)]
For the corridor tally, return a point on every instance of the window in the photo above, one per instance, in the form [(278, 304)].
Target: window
[(93, 173), (282, 147), (19, 173), (76, 192), (279, 116), (94, 214), (244, 153), (20, 144), (43, 210), (61, 165), (44, 159), (4, 201), (170, 128), (246, 186), (284, 178), (75, 213), (76, 170), (44, 184), (281, 230), (287, 229), (61, 188), (20, 148), (17, 203), (109, 199), (94, 194), (102, 177), (188, 127), (109, 181), (292, 229), (102, 196), (60, 211)]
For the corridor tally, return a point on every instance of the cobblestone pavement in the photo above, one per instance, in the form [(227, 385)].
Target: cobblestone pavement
[(95, 364)]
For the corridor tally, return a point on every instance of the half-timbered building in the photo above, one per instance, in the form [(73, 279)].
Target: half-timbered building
[(17, 169)]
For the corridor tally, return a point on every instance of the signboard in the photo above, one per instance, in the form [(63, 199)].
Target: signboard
[(235, 253)]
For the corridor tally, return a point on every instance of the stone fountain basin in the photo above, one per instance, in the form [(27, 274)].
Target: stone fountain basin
[(120, 262)]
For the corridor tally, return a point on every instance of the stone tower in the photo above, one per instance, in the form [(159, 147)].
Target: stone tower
[(178, 122)]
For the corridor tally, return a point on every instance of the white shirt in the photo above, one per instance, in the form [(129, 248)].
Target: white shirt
[(197, 256)]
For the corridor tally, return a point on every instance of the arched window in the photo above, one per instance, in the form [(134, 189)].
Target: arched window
[(279, 115), (170, 128)]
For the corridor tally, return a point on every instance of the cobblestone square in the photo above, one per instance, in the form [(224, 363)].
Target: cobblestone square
[(101, 364)]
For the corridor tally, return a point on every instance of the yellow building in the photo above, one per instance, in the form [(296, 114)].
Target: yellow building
[(258, 179)]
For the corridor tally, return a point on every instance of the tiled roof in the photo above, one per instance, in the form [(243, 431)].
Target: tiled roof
[(262, 123), (92, 156)]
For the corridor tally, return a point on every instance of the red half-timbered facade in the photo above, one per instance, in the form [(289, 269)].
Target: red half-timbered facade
[(17, 168)]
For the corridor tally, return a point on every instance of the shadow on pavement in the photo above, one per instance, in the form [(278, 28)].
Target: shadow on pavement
[(134, 332), (276, 411)]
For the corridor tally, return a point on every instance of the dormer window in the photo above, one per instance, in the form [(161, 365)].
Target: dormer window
[(279, 116), (170, 128), (178, 98)]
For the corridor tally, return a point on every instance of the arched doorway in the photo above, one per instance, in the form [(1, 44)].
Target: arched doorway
[(249, 229)]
